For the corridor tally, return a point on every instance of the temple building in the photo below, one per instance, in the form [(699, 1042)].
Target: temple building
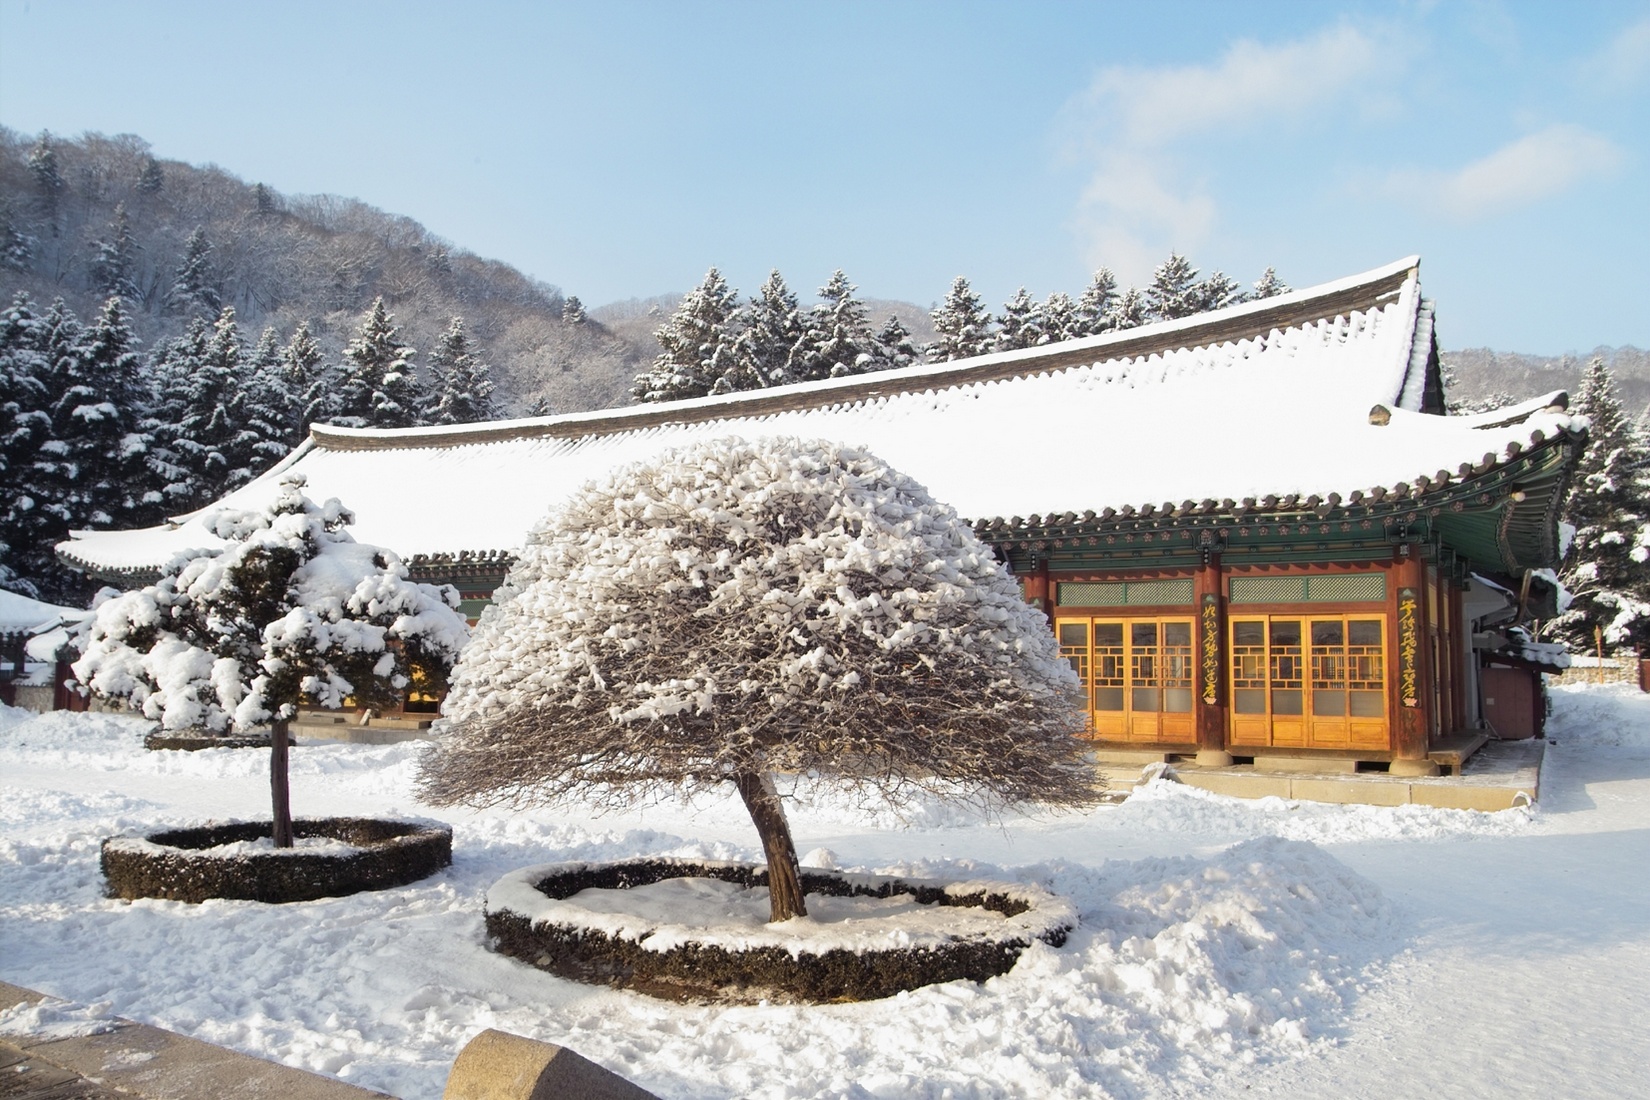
[(1254, 531)]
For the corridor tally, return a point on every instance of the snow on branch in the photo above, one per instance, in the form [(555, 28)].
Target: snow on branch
[(733, 608)]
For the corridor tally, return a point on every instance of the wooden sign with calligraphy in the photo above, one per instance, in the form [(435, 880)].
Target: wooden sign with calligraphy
[(1211, 649), (1409, 648)]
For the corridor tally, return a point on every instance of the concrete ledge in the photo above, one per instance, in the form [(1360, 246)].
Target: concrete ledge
[(1499, 776), (496, 1065), (135, 1060)]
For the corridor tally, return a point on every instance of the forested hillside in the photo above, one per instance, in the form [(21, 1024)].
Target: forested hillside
[(83, 218), (1489, 378)]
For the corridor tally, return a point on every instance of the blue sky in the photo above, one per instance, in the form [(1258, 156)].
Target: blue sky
[(620, 149)]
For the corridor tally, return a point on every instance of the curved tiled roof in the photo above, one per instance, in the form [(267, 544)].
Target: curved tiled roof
[(1249, 408)]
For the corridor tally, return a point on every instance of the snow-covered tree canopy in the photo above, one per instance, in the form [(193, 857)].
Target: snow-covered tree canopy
[(292, 610), (736, 609)]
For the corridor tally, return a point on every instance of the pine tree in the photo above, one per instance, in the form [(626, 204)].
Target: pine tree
[(894, 347), (462, 382), (1020, 325), (1128, 310), (291, 610), (263, 201), (218, 453), (111, 269), (1096, 306), (263, 407), (1607, 572), (839, 340), (1269, 285), (1174, 291), (17, 248), (192, 289), (314, 397), (100, 416), (368, 395), (1217, 292), (151, 179), (961, 323), (48, 180), (772, 344), (572, 311), (172, 371), (1061, 320), (25, 427), (696, 344)]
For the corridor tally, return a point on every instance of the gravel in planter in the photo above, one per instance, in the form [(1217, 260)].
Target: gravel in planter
[(193, 865), (533, 915)]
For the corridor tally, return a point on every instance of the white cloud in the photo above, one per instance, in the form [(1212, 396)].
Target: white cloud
[(1625, 61), (1133, 123), (1535, 167)]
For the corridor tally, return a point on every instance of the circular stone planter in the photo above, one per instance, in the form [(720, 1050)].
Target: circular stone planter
[(192, 865), (195, 740), (534, 915)]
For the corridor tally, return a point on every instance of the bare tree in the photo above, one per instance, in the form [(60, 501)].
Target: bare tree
[(734, 610)]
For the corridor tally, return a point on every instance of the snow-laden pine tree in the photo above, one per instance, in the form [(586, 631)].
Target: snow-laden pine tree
[(25, 427), (1095, 307), (314, 393), (292, 611), (572, 311), (41, 486), (696, 346), (151, 178), (1060, 317), (839, 341), (461, 382), (772, 343), (731, 612), (1218, 291), (893, 346), (375, 354), (1269, 285), (173, 368), (1607, 571), (97, 421), (1128, 310), (194, 290), (1021, 323), (113, 267), (1174, 291), (962, 325), (48, 178), (262, 408)]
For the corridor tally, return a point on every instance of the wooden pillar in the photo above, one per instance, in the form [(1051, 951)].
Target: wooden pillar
[(1413, 664), (1209, 697), (1039, 589)]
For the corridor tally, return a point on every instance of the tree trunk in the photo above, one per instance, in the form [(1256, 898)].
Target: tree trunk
[(280, 795), (784, 872)]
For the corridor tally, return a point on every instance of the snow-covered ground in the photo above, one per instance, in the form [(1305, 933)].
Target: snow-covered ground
[(1283, 949)]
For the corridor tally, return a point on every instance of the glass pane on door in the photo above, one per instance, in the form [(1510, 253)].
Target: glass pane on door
[(1143, 666), (1108, 666), (1285, 638)]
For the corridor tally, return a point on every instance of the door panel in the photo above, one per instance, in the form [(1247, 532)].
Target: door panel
[(1315, 681), (1138, 675)]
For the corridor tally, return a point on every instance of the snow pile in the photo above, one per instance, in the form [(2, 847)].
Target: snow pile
[(53, 1019), (1163, 804), (1600, 714), (14, 716)]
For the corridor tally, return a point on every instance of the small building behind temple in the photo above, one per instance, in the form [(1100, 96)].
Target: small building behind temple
[(1254, 531)]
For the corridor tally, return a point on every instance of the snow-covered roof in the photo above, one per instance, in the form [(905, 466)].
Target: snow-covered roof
[(21, 614), (1321, 392)]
